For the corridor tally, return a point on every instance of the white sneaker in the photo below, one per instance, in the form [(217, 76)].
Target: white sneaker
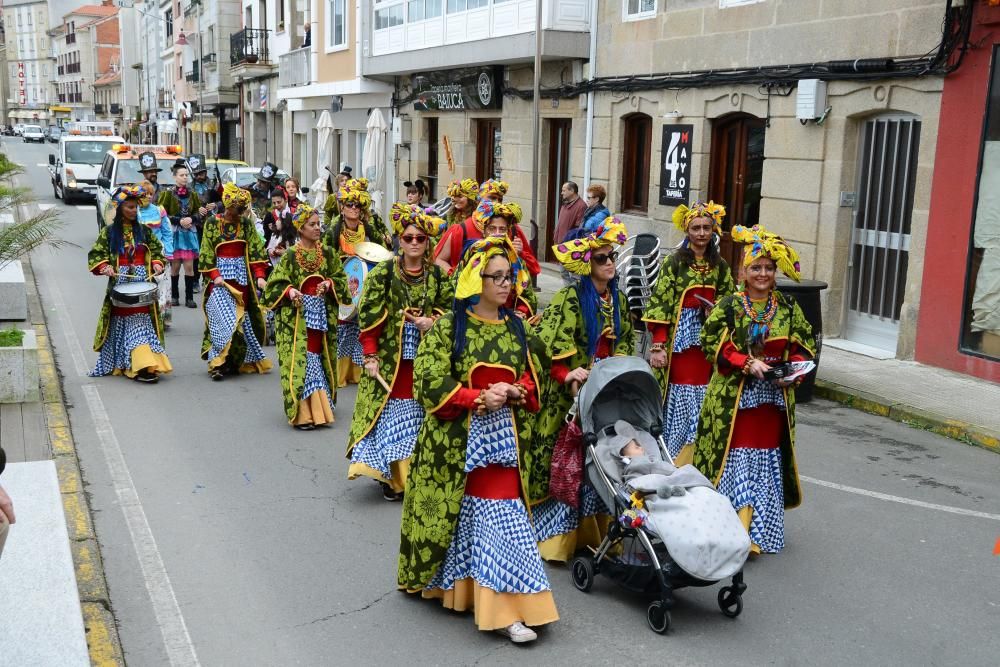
[(518, 633)]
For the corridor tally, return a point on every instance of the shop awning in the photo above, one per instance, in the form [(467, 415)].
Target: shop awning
[(60, 110), (210, 126), (167, 126)]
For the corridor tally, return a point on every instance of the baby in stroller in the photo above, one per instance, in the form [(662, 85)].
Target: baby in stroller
[(645, 472)]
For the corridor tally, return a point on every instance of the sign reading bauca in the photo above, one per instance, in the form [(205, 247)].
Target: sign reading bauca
[(464, 89), (675, 174)]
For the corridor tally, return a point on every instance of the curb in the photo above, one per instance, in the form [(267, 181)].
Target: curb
[(103, 642), (907, 414)]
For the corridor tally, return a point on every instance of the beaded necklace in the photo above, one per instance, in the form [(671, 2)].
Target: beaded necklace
[(411, 281), (229, 230), (701, 267), (309, 259), (607, 310), (353, 237), (760, 321)]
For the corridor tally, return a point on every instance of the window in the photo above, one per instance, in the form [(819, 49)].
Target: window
[(418, 10), (634, 10), (463, 5), (168, 17), (389, 17), (336, 34), (638, 134), (981, 317), (281, 15)]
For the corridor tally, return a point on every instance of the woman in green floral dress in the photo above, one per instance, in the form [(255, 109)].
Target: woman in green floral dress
[(746, 434), (466, 537), (402, 299), (303, 291), (583, 324)]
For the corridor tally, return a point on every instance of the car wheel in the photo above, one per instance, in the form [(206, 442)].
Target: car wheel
[(55, 190)]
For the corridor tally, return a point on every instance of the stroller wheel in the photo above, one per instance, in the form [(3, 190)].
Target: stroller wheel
[(730, 602), (658, 617), (582, 569)]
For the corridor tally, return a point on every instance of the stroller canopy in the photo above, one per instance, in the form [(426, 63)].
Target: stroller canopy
[(621, 388)]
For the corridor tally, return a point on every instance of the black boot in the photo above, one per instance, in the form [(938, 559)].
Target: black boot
[(189, 292), (175, 293)]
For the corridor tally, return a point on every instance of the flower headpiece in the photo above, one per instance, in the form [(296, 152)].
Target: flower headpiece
[(493, 188), (148, 190), (355, 190), (302, 215), (575, 254), (402, 215), (684, 215), (762, 243), (234, 196), (490, 209), (468, 187), (470, 280), (127, 192)]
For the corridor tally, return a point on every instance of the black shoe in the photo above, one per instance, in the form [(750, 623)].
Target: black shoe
[(304, 427), (190, 303), (216, 374), (388, 494), (175, 301), (146, 377)]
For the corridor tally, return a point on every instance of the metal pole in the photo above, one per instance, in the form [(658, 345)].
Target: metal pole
[(536, 121), (201, 82)]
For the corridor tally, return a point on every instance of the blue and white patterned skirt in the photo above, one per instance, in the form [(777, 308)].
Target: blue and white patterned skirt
[(392, 438), (680, 415), (348, 344), (411, 341), (688, 332), (553, 518), (761, 392), (220, 309), (315, 378), (314, 309), (125, 333), (752, 477)]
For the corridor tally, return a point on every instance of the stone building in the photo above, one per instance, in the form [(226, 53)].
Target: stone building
[(85, 44), (29, 66)]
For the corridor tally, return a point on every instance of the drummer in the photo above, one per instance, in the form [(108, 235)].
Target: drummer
[(129, 338), (354, 225), (458, 238)]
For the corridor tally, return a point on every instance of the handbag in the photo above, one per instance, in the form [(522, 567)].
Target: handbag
[(566, 470)]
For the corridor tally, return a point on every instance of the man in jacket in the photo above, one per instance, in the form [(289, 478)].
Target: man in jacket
[(571, 211)]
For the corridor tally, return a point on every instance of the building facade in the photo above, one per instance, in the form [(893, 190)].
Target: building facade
[(29, 67), (85, 48)]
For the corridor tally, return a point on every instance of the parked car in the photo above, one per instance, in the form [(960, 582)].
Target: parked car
[(121, 166), (53, 134), (247, 176), (33, 133)]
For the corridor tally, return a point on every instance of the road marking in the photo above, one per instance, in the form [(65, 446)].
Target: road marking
[(41, 164), (72, 341), (45, 207), (901, 500), (176, 639), (81, 207)]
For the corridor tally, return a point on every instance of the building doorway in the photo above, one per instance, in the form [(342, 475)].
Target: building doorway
[(880, 235), (488, 149), (735, 174), (558, 173)]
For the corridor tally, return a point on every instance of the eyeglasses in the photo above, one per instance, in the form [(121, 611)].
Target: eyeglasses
[(604, 259), (496, 231), (500, 279), (351, 204), (591, 196), (413, 238)]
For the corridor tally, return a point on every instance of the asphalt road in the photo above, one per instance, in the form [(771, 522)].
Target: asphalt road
[(230, 539)]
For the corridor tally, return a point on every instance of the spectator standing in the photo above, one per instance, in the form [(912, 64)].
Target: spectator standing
[(571, 211)]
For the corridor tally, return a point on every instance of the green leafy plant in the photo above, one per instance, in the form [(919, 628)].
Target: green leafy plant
[(11, 337), (20, 238)]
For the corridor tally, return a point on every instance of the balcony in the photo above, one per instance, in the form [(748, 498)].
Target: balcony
[(208, 60), (294, 68), (248, 53), (494, 33), (194, 76)]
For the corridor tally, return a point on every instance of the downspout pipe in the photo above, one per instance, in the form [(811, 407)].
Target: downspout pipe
[(589, 141)]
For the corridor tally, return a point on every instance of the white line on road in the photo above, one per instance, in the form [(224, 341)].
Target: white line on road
[(176, 639), (72, 341), (901, 500), (41, 164), (82, 207), (45, 207)]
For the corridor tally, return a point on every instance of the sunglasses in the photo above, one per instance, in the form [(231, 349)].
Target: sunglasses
[(604, 259), (351, 204), (500, 279), (413, 238)]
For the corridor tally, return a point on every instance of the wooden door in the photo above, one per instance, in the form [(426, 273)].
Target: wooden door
[(487, 149), (735, 174), (558, 131)]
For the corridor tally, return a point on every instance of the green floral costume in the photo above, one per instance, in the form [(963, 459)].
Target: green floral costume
[(382, 303), (729, 323), (436, 483), (375, 232), (290, 333)]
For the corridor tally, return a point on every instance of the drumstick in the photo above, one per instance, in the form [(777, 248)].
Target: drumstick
[(381, 381)]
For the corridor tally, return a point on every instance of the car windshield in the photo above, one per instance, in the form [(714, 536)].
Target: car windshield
[(32, 128), (245, 179), (87, 152), (128, 172)]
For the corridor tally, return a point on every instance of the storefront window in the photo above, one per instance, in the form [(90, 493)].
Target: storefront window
[(981, 326)]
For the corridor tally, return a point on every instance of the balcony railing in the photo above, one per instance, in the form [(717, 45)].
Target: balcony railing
[(194, 76), (116, 109), (98, 108), (248, 46), (293, 68), (208, 59)]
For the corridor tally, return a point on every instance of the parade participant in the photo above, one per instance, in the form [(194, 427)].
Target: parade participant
[(466, 538), (519, 240), (449, 250), (746, 435), (585, 323), (203, 187), (232, 255), (415, 193), (291, 187), (464, 198), (303, 292), (156, 219), (260, 192), (402, 299), (331, 209), (182, 203), (129, 340), (279, 231), (354, 225), (151, 172), (494, 190), (690, 280)]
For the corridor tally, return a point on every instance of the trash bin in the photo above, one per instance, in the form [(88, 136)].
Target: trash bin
[(806, 293)]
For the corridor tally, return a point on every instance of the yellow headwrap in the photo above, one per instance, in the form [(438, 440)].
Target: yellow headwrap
[(302, 215), (234, 196), (762, 243), (489, 209), (470, 280), (684, 215), (515, 210), (402, 215), (355, 190), (468, 188), (493, 188), (575, 254)]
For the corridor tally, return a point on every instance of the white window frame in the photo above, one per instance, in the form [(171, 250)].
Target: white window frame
[(725, 4), (330, 46), (640, 16)]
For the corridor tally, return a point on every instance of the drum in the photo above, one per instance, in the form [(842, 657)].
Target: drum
[(133, 295), (372, 253), (356, 270)]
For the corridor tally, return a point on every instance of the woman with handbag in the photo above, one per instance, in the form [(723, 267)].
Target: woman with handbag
[(585, 322), (746, 435), (466, 537), (690, 280), (403, 297)]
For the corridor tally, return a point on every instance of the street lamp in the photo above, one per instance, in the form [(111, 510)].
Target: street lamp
[(182, 40)]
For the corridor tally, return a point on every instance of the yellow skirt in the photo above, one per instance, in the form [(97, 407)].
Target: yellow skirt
[(400, 470), (143, 358), (314, 409), (589, 533), (685, 456), (347, 372), (496, 610), (746, 515)]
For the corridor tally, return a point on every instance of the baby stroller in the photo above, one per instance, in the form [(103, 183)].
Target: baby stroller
[(638, 558)]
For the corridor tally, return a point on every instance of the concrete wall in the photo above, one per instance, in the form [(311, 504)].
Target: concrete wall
[(337, 65)]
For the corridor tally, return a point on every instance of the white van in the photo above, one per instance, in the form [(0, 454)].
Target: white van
[(74, 168), (33, 133)]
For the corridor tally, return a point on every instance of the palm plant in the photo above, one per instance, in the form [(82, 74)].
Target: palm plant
[(23, 236)]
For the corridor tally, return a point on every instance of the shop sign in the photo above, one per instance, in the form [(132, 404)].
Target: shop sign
[(464, 89), (675, 171), (21, 96)]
